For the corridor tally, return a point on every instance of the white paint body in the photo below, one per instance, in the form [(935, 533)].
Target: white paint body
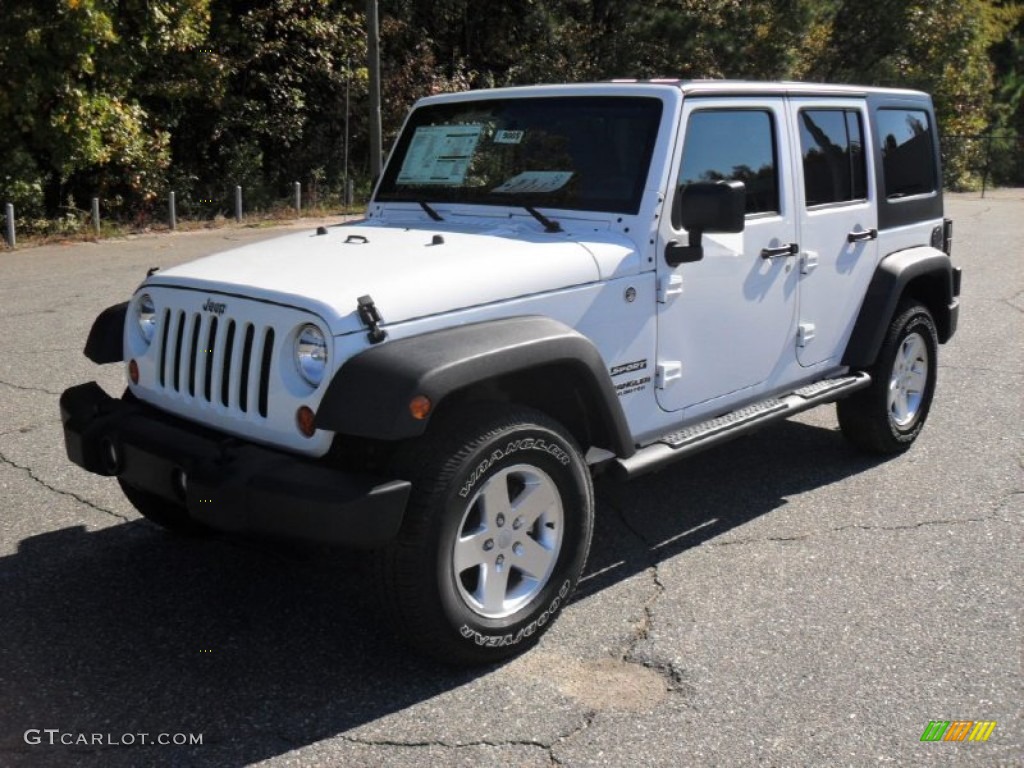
[(730, 325)]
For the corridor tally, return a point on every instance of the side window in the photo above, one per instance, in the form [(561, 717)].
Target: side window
[(733, 145), (908, 152), (832, 146)]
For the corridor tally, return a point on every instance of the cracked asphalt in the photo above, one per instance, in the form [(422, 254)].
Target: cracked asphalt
[(780, 601)]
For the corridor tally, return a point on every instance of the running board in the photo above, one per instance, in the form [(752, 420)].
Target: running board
[(693, 439)]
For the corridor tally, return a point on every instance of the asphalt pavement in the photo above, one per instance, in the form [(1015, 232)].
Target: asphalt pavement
[(779, 601)]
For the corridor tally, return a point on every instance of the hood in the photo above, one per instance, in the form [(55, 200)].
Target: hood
[(409, 273)]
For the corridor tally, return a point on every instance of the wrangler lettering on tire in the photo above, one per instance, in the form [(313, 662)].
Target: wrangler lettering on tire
[(496, 535)]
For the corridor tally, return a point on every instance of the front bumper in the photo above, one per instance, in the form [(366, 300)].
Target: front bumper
[(229, 484)]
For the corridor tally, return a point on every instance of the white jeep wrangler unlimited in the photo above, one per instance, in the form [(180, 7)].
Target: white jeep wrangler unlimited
[(549, 281)]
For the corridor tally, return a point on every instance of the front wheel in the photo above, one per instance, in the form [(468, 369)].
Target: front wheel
[(887, 416), (496, 535)]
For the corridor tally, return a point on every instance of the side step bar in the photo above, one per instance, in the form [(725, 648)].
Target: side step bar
[(698, 437)]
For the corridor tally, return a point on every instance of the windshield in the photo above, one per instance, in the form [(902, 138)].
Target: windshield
[(585, 153)]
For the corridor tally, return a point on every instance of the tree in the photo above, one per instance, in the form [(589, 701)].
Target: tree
[(69, 69)]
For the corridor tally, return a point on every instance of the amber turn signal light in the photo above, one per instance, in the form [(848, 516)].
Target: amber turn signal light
[(305, 417), (133, 371), (420, 407)]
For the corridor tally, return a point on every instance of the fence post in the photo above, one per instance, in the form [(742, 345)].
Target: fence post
[(238, 204), (10, 224), (96, 214), (349, 192), (298, 198), (988, 164), (172, 213)]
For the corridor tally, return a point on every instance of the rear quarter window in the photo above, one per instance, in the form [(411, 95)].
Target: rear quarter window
[(907, 141)]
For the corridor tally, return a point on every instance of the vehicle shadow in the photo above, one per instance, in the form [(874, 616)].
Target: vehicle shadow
[(264, 649), (656, 517)]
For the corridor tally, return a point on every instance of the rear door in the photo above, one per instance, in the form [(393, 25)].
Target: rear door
[(837, 222)]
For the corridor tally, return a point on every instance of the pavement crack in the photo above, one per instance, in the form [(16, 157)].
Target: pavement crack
[(441, 743), (29, 389), (29, 428), (645, 626), (59, 491), (979, 369), (588, 720), (862, 527)]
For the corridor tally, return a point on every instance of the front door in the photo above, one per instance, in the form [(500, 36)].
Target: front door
[(726, 322)]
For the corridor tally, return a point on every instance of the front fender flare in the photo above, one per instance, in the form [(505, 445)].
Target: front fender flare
[(369, 395), (106, 337)]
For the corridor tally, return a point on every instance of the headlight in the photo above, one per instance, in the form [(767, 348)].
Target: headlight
[(311, 354), (145, 316)]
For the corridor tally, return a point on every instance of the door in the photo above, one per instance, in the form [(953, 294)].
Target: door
[(726, 322), (837, 224)]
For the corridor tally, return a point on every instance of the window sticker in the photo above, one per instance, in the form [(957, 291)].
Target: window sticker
[(534, 182), (439, 154), (509, 137)]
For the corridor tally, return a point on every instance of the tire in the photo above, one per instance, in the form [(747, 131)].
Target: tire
[(468, 580), (886, 417), (164, 513)]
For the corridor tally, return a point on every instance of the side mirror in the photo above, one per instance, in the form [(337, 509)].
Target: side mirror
[(718, 206)]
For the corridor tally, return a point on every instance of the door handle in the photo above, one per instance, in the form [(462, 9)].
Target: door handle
[(860, 237), (789, 249)]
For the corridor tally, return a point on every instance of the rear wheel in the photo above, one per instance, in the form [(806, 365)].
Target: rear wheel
[(887, 417), (496, 535)]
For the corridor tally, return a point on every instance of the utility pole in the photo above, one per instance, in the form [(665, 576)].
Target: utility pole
[(348, 82), (373, 32)]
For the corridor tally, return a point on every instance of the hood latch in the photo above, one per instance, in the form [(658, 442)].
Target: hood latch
[(371, 318)]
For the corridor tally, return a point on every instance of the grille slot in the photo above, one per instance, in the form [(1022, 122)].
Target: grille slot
[(221, 361), (163, 347), (179, 336), (243, 384), (193, 350), (210, 351), (268, 350), (229, 353)]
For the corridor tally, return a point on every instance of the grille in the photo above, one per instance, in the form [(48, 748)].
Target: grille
[(217, 360)]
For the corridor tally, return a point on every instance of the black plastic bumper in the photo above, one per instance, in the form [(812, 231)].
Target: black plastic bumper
[(954, 307), (229, 484)]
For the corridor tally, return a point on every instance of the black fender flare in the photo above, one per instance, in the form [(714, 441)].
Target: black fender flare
[(892, 276), (369, 395), (106, 337)]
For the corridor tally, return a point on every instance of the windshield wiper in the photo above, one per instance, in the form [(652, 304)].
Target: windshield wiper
[(550, 225), (430, 211)]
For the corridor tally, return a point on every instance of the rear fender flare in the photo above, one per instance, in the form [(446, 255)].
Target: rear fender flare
[(888, 285)]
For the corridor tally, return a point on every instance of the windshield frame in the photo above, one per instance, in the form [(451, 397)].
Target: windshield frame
[(631, 122)]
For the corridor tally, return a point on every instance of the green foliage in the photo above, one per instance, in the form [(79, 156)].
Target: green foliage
[(939, 46), (127, 99), (70, 103), (1007, 53)]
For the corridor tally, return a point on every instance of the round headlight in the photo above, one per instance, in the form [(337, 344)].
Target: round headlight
[(145, 315), (311, 354)]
